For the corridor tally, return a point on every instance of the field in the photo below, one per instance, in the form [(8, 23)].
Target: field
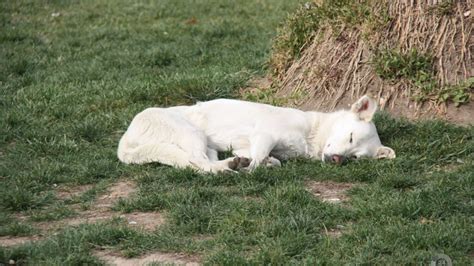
[(74, 73)]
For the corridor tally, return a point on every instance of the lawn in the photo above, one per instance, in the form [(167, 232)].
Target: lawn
[(74, 73)]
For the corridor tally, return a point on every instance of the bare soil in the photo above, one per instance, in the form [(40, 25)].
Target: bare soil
[(68, 192), (157, 257), (338, 231), (333, 232), (329, 191), (146, 220), (121, 189), (334, 193), (403, 106), (7, 241), (100, 211)]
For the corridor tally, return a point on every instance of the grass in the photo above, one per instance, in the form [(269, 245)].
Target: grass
[(445, 8), (417, 69), (395, 65), (70, 85), (300, 28)]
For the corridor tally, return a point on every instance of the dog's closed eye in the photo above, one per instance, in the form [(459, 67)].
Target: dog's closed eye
[(350, 139)]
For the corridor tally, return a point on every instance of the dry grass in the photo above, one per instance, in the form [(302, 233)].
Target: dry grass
[(328, 191), (157, 257), (338, 62)]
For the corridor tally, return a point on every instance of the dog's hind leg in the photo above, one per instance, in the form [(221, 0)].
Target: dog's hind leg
[(212, 154), (165, 153), (160, 135), (173, 155)]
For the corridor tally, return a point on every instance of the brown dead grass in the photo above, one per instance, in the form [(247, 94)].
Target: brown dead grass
[(68, 192), (145, 220), (7, 241), (334, 193), (335, 69), (336, 232), (332, 232), (113, 258), (329, 191), (121, 189)]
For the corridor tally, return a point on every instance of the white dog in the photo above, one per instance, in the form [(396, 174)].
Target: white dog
[(191, 136)]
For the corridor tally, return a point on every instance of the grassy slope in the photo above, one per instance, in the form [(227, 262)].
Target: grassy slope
[(70, 84)]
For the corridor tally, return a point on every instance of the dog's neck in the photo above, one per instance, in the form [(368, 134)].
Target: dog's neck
[(320, 124)]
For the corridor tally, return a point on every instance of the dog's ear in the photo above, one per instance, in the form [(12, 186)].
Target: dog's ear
[(385, 152), (364, 108)]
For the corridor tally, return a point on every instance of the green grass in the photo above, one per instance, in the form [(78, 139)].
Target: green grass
[(71, 84), (417, 69), (413, 65), (444, 8)]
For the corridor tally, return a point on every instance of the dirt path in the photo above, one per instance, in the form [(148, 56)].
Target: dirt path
[(101, 210)]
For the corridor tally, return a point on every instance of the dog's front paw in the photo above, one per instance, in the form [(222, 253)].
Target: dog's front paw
[(267, 162), (239, 163), (272, 162)]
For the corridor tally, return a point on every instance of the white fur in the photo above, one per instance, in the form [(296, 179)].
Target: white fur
[(191, 136)]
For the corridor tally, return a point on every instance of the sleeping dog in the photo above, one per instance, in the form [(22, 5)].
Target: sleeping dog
[(258, 134)]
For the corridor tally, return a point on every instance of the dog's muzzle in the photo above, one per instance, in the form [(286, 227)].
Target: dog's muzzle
[(334, 158)]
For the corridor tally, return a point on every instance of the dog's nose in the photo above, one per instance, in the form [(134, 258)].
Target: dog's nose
[(334, 158)]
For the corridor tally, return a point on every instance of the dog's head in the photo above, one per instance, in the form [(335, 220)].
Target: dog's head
[(353, 135)]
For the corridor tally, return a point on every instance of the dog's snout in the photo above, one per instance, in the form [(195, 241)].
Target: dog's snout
[(334, 158)]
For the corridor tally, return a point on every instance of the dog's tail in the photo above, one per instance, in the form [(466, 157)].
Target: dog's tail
[(123, 151)]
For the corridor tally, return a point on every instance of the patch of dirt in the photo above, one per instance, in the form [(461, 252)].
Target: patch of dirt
[(458, 115), (424, 220), (119, 190), (329, 191), (253, 198), (146, 220), (157, 257), (100, 210), (448, 168), (333, 233), (86, 217), (471, 254), (405, 107), (67, 192), (8, 241)]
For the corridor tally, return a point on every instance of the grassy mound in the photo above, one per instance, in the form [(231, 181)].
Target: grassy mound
[(333, 50)]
